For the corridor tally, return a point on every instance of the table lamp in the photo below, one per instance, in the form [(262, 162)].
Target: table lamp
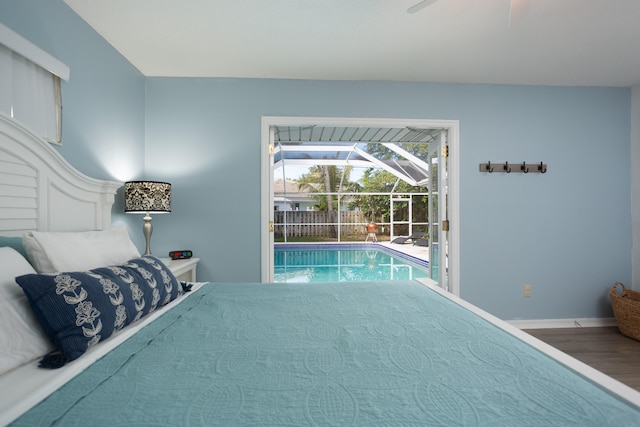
[(147, 197)]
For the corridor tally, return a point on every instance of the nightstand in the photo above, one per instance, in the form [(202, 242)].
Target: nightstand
[(183, 269)]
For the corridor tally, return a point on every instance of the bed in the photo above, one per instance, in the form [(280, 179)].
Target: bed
[(255, 353)]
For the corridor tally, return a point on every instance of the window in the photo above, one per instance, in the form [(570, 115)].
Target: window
[(30, 85)]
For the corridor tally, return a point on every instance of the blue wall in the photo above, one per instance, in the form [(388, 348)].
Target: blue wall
[(103, 128), (103, 101), (567, 232)]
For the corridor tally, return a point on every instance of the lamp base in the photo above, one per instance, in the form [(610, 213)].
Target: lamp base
[(147, 229)]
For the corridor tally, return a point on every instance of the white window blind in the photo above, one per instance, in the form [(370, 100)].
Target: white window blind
[(29, 92)]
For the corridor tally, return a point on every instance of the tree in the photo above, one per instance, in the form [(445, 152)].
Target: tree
[(323, 181), (380, 181), (377, 208)]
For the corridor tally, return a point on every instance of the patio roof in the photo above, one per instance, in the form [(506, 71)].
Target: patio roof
[(353, 146)]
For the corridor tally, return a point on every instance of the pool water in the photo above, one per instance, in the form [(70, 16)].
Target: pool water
[(343, 263)]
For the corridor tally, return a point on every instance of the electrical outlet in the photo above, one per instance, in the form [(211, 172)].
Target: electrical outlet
[(526, 290)]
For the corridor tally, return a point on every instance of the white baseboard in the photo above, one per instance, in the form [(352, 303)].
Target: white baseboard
[(563, 323)]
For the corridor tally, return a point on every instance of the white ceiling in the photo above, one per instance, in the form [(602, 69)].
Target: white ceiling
[(550, 42)]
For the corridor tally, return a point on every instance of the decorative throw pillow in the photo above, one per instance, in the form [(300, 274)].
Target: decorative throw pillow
[(51, 252), (77, 310), (21, 337)]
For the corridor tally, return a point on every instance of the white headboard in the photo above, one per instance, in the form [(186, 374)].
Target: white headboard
[(39, 190)]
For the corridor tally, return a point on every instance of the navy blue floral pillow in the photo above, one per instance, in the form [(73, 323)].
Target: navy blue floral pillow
[(78, 310)]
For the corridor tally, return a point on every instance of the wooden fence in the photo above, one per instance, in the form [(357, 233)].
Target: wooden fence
[(319, 223)]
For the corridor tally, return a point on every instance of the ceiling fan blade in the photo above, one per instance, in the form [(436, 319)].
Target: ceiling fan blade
[(419, 6)]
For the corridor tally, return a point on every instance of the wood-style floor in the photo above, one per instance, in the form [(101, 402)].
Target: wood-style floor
[(604, 349)]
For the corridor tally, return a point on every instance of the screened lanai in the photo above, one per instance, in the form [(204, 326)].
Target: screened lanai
[(357, 170)]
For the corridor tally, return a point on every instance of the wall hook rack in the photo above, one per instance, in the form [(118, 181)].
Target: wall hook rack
[(507, 167)]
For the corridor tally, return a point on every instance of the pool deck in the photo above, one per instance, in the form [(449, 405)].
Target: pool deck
[(421, 252)]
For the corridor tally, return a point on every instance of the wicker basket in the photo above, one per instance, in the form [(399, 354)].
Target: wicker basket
[(626, 308)]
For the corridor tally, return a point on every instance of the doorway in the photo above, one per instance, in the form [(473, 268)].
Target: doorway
[(445, 222)]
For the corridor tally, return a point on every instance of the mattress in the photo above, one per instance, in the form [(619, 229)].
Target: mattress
[(349, 353)]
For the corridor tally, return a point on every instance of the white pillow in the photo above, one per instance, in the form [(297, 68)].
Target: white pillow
[(52, 252), (21, 336)]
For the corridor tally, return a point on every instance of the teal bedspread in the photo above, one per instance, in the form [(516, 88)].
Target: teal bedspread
[(327, 354)]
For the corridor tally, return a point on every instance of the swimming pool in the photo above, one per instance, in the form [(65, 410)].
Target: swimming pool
[(296, 263)]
